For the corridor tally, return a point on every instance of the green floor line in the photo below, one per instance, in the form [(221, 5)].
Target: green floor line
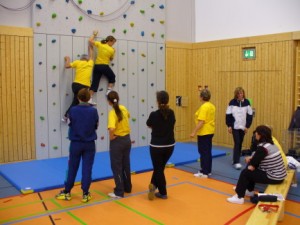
[(139, 213), (76, 218)]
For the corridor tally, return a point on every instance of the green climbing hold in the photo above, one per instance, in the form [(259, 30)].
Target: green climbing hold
[(80, 18), (54, 15), (42, 118)]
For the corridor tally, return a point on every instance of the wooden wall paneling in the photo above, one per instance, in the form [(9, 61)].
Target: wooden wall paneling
[(4, 91), (40, 97), (13, 100), (8, 113), (54, 117), (133, 91), (2, 73), (65, 88), (143, 138)]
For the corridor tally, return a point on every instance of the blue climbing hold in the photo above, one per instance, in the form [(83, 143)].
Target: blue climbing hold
[(38, 6)]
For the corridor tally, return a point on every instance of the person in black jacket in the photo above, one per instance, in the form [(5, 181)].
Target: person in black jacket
[(162, 143)]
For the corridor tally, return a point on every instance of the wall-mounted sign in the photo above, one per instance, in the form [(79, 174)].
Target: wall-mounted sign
[(249, 53)]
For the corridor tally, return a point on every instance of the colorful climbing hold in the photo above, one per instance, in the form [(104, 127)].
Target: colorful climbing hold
[(142, 69), (80, 18), (132, 50), (123, 85), (101, 13), (55, 147), (73, 30), (143, 55), (79, 1), (42, 118), (38, 6), (89, 11), (124, 16), (53, 41), (132, 142), (161, 6), (40, 44), (53, 67), (143, 33), (123, 53), (101, 89), (152, 62), (43, 145), (143, 100), (161, 48), (53, 85), (113, 30), (38, 24), (124, 31), (102, 137), (153, 34), (54, 103), (152, 84), (54, 130), (162, 36), (132, 24), (152, 6), (133, 119), (40, 63), (152, 19), (123, 69), (142, 11), (54, 15), (132, 2), (162, 21), (143, 137)]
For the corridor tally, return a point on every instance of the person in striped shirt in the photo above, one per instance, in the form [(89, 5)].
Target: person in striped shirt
[(265, 166)]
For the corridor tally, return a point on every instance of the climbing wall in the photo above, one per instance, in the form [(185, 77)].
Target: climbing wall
[(62, 28)]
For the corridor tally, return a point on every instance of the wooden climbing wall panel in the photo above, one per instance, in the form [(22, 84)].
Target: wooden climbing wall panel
[(17, 140)]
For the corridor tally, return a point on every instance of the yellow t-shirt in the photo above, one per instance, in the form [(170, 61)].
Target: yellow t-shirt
[(83, 71), (105, 53), (122, 128), (281, 151), (206, 112)]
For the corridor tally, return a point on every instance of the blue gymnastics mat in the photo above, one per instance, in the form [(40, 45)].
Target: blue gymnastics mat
[(40, 175)]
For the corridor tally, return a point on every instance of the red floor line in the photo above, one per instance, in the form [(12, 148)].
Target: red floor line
[(239, 215)]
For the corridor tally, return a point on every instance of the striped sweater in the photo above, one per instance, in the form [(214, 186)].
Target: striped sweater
[(268, 158)]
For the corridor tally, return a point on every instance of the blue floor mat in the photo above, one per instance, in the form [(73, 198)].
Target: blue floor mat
[(40, 175)]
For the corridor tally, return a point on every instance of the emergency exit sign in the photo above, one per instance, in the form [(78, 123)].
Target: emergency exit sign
[(249, 53)]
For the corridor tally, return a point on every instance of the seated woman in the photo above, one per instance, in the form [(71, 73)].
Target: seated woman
[(266, 166)]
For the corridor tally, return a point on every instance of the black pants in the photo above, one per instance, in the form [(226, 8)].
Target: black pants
[(76, 87), (238, 138), (98, 71), (119, 151), (160, 157), (248, 179), (204, 149)]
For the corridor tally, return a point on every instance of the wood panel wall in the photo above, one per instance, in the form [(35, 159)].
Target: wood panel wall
[(269, 81), (16, 90)]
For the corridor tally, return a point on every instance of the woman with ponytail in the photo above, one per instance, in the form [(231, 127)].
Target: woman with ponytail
[(119, 145), (162, 143), (105, 54)]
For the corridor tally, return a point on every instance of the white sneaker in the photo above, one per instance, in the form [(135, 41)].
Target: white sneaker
[(112, 195), (236, 200), (237, 166), (247, 193), (91, 102), (200, 175)]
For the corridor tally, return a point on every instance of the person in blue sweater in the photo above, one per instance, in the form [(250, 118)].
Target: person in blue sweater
[(82, 134), (162, 122), (239, 115)]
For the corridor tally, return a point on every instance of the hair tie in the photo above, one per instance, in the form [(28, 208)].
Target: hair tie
[(115, 100)]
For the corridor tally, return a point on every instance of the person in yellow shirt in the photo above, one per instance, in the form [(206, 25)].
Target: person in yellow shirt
[(205, 129), (119, 145), (83, 74), (105, 54)]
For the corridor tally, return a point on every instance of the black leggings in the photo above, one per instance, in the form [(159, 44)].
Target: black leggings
[(76, 87)]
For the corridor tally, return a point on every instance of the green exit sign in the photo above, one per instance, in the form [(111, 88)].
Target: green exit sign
[(249, 53)]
